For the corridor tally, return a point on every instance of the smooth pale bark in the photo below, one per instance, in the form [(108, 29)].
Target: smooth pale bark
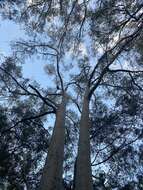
[(83, 178), (53, 169)]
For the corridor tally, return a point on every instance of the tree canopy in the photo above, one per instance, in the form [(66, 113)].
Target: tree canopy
[(93, 57)]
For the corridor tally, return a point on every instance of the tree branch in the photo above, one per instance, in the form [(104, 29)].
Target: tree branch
[(50, 103), (26, 119), (122, 146)]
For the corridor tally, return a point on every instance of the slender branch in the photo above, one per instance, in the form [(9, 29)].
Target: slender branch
[(58, 72), (105, 147), (125, 40), (124, 70), (75, 102), (9, 74), (121, 147), (128, 40), (130, 74), (50, 103), (133, 80), (83, 20), (26, 119), (33, 45), (116, 86), (66, 24)]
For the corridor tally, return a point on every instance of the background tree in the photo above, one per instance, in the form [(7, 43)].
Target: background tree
[(23, 137)]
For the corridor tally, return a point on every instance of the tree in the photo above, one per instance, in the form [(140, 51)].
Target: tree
[(57, 142), (23, 137), (81, 27)]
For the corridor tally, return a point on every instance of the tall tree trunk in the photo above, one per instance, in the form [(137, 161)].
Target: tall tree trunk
[(53, 169), (83, 178)]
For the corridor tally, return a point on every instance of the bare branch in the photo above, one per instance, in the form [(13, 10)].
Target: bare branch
[(34, 44), (27, 119), (9, 74), (128, 40), (59, 74), (121, 147), (50, 103), (124, 70)]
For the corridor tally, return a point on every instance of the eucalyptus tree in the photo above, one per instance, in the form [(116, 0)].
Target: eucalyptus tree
[(54, 164), (94, 34), (102, 70), (24, 138)]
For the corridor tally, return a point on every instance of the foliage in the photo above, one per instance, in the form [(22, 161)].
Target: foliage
[(103, 41)]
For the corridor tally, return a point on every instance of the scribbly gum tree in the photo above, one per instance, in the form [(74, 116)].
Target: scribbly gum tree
[(93, 51)]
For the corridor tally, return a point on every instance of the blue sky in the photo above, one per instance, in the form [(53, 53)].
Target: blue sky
[(33, 68)]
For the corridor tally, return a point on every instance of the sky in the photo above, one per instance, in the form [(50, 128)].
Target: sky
[(33, 68)]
